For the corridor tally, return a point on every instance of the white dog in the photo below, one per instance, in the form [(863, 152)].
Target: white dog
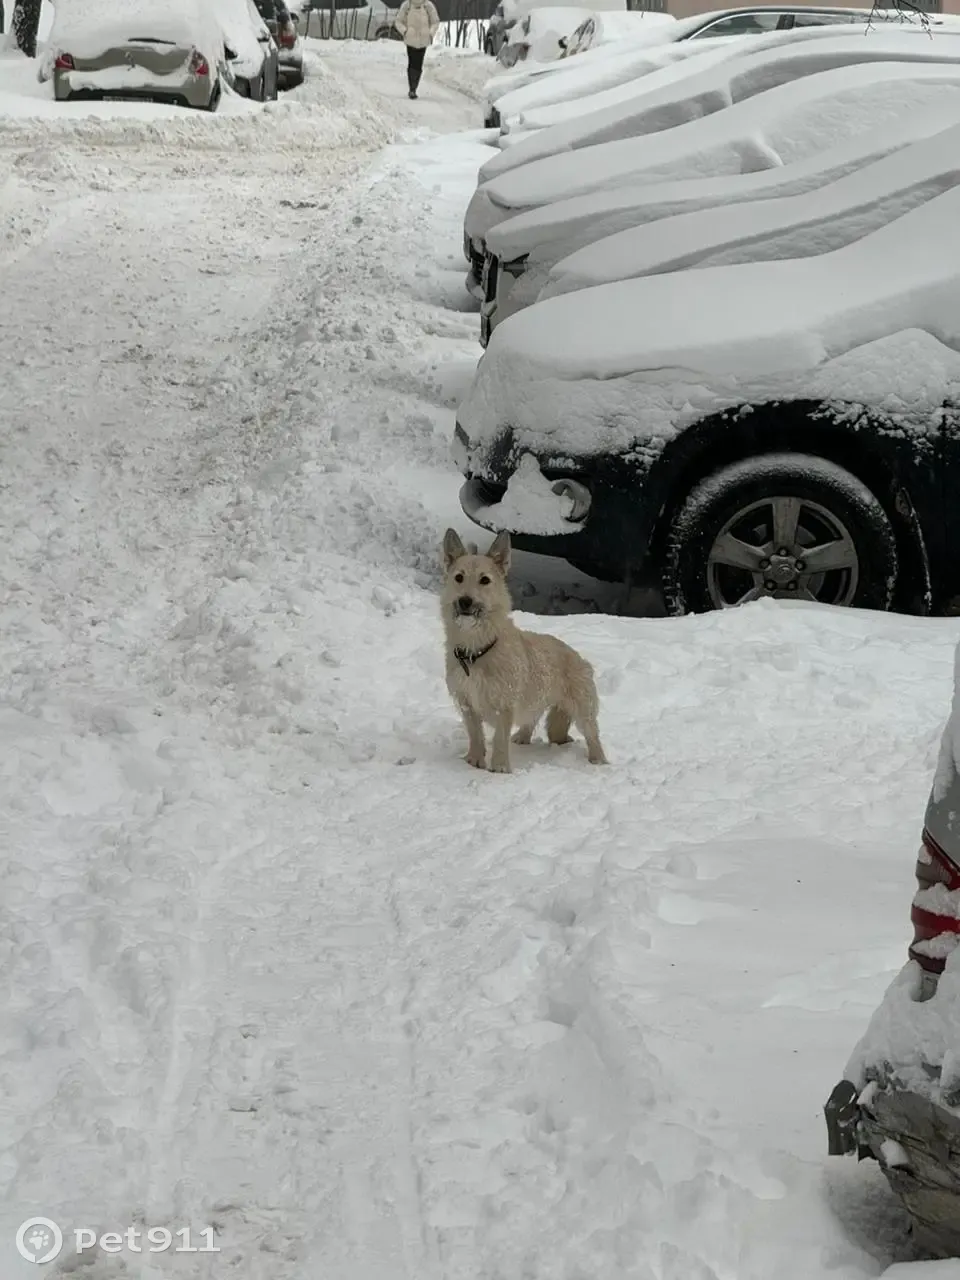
[(502, 676)]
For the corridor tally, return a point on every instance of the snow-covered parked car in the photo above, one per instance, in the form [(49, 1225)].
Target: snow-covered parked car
[(778, 127), (149, 50), (282, 25), (543, 33), (787, 429), (541, 85), (617, 24), (666, 99), (253, 58), (531, 98), (568, 231), (899, 1101), (795, 226), (368, 20)]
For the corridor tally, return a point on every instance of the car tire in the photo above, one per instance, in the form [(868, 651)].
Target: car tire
[(215, 96), (722, 542)]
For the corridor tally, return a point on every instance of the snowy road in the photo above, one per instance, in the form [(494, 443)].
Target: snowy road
[(277, 961)]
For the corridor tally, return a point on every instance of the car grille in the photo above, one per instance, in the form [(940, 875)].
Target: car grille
[(476, 261), (491, 268)]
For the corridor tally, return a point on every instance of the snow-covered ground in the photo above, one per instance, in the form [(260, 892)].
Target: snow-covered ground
[(275, 959)]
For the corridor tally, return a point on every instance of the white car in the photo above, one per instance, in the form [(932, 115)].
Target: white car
[(568, 79), (785, 429), (605, 67), (543, 33), (369, 20), (783, 125), (795, 226), (666, 99)]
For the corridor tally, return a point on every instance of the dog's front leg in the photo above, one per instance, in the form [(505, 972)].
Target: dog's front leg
[(500, 762), (477, 747)]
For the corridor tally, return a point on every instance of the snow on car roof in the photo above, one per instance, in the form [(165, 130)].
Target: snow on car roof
[(784, 124), (87, 24), (583, 220), (873, 323), (666, 100), (796, 226)]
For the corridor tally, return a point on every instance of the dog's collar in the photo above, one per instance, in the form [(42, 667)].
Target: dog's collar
[(467, 659)]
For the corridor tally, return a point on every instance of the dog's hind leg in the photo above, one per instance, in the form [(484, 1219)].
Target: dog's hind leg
[(524, 734), (558, 726), (587, 724)]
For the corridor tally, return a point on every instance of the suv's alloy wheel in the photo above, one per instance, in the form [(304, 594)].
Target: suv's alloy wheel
[(790, 526)]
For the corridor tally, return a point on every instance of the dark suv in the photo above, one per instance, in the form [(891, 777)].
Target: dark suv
[(783, 428)]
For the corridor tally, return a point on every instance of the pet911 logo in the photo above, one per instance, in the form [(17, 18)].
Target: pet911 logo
[(41, 1240)]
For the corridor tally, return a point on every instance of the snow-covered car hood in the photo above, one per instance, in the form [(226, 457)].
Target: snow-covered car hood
[(797, 226), (614, 368), (665, 100), (775, 128)]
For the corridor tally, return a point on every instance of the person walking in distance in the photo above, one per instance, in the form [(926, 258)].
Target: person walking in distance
[(417, 22)]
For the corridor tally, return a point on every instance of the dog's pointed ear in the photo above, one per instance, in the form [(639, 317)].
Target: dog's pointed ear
[(453, 548), (499, 553)]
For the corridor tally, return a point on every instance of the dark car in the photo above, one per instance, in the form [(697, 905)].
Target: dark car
[(282, 24), (903, 1107), (784, 428)]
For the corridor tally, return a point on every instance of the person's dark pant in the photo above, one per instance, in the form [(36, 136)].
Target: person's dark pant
[(414, 67)]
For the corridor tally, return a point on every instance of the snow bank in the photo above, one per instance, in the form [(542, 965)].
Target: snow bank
[(799, 226), (668, 99), (635, 361), (783, 125)]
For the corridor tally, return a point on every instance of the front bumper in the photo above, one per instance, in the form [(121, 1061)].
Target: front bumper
[(169, 98)]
